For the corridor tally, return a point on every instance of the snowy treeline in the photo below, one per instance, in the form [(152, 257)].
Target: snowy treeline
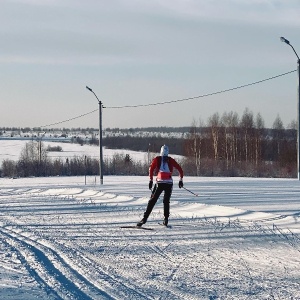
[(229, 146), (35, 161), (226, 145)]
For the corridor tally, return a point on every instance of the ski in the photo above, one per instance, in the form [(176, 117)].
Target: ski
[(137, 227), (167, 226)]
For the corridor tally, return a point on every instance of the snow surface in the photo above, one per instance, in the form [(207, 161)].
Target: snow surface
[(61, 239)]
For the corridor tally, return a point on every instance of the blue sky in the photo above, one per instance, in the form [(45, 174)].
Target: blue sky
[(136, 52)]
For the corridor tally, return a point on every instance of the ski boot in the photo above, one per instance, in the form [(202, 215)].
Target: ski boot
[(140, 223), (165, 222)]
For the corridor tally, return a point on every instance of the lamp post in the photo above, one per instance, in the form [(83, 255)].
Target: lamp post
[(100, 137), (298, 110)]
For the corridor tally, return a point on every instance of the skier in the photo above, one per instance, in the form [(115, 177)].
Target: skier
[(163, 166)]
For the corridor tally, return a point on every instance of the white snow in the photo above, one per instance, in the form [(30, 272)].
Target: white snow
[(61, 239), (11, 149)]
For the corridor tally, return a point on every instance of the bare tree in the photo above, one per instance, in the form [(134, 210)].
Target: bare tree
[(196, 137), (278, 135), (8, 168), (230, 121), (247, 125), (259, 125), (215, 123), (33, 159), (293, 125)]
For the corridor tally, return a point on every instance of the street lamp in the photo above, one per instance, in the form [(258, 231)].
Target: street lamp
[(100, 137), (298, 112)]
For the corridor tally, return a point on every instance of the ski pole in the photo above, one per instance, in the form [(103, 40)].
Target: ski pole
[(191, 192)]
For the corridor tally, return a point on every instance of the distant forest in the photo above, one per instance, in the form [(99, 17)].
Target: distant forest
[(152, 144), (226, 145)]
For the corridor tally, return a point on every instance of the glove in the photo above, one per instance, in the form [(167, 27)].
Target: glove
[(180, 184), (150, 184)]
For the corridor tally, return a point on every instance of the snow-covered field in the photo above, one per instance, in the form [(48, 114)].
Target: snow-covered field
[(11, 149), (61, 239)]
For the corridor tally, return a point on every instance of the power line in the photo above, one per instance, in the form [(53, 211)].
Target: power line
[(88, 113), (173, 101), (202, 96)]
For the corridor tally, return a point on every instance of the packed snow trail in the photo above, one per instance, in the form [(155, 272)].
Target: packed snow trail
[(64, 241)]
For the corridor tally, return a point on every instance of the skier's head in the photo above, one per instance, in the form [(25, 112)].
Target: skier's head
[(164, 150)]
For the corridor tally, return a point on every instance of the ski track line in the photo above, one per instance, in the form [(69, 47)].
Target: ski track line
[(114, 282), (171, 293), (157, 250), (110, 282), (238, 266), (167, 294), (163, 291), (31, 271), (229, 265), (51, 270), (27, 259)]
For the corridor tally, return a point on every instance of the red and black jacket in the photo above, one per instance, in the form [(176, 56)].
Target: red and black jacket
[(172, 163)]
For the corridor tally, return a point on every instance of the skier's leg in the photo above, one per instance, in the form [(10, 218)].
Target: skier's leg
[(153, 200), (154, 197), (168, 192)]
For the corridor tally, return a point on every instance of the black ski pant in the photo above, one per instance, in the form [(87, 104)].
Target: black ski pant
[(157, 190)]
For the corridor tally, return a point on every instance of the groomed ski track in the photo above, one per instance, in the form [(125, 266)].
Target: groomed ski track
[(65, 242)]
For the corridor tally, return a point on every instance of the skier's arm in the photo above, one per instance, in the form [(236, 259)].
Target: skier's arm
[(178, 167), (152, 168)]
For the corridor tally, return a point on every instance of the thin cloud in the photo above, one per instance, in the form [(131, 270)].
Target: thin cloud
[(244, 11)]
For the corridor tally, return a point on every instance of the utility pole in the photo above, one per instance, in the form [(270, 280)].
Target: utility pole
[(100, 137), (298, 109)]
